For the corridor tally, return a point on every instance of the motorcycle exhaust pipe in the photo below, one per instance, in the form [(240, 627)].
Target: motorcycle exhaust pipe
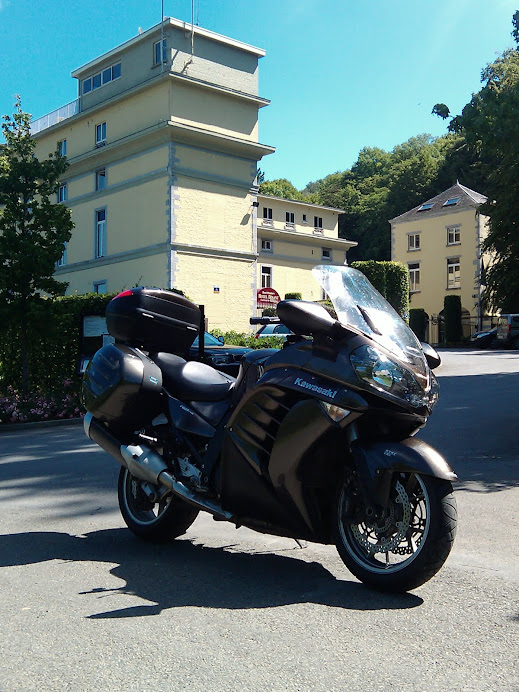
[(142, 462)]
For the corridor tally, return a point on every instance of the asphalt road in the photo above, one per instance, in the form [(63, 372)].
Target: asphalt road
[(85, 606)]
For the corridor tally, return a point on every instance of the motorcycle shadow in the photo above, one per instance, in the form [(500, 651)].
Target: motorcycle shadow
[(185, 573)]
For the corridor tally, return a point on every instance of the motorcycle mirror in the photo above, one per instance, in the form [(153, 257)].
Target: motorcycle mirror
[(431, 356)]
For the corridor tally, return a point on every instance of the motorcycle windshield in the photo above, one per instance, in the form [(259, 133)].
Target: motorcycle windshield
[(360, 306)]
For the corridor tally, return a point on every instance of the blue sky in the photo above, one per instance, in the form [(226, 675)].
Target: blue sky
[(341, 75)]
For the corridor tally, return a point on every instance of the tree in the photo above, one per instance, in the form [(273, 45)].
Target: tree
[(281, 187), (33, 227), (490, 127)]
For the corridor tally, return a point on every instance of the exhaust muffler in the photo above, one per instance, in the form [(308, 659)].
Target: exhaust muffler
[(142, 462)]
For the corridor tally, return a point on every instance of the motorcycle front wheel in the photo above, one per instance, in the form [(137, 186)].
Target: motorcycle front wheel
[(404, 546), (157, 516)]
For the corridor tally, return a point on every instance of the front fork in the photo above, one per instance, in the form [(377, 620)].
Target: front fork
[(373, 484)]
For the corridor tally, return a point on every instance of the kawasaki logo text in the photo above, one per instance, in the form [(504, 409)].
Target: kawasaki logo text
[(331, 393)]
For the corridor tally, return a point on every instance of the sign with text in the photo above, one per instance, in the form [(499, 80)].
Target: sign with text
[(267, 298)]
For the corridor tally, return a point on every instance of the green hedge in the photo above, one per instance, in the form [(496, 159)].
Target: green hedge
[(452, 316), (54, 327), (293, 296), (391, 279), (418, 322), (239, 339)]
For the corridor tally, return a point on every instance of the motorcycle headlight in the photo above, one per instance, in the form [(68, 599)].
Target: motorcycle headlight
[(375, 368)]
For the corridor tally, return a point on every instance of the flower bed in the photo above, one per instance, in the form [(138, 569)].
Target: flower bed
[(61, 405)]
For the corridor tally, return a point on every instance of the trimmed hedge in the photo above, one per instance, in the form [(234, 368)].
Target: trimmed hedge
[(54, 327), (452, 316), (293, 296), (418, 322), (391, 279)]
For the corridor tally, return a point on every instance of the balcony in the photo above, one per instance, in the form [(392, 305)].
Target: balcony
[(55, 117)]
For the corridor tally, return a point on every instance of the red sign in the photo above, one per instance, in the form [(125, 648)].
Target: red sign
[(267, 298)]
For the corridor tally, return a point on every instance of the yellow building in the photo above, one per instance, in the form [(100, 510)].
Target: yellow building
[(163, 148), (440, 243), (293, 237)]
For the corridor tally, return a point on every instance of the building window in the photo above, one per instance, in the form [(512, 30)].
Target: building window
[(318, 224), (100, 233), (453, 235), (100, 179), (99, 286), (326, 253), (109, 74), (290, 220), (62, 147), (453, 273), (305, 220), (413, 242), (157, 58), (266, 245), (63, 259), (62, 192), (266, 277), (426, 207), (100, 134), (267, 214), (451, 202), (414, 277)]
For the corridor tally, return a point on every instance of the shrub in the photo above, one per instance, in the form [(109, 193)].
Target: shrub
[(60, 405), (452, 316), (54, 327), (418, 322), (293, 296), (391, 279), (249, 340)]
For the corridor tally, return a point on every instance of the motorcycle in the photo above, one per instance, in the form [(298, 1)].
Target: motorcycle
[(314, 441)]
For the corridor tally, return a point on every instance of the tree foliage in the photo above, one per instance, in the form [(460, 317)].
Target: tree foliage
[(281, 187), (382, 185), (490, 128), (33, 227)]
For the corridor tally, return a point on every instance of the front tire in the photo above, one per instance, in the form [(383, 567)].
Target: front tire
[(156, 520), (405, 547)]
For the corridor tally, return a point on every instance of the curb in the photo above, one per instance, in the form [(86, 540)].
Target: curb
[(10, 427)]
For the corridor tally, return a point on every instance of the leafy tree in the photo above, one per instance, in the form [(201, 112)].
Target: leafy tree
[(490, 127), (33, 228), (281, 187), (381, 185)]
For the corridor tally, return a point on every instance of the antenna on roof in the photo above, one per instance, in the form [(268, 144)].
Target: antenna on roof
[(161, 36), (192, 27)]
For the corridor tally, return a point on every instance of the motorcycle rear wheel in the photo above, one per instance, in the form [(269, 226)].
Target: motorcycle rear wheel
[(156, 522), (409, 544)]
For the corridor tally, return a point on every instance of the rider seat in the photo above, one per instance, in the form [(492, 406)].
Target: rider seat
[(191, 380)]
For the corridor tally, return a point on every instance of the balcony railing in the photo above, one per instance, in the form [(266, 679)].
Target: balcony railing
[(55, 117)]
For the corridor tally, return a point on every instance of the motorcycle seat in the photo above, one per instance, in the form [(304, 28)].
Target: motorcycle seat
[(190, 380)]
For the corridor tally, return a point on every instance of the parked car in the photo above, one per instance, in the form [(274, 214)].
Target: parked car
[(508, 330), (273, 330), (484, 339), (219, 355)]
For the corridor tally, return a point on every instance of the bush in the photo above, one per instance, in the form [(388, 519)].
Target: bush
[(418, 322), (60, 405), (293, 296), (249, 340), (54, 327), (391, 279), (452, 316)]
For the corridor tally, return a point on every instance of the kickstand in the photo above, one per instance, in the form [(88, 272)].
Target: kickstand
[(301, 544)]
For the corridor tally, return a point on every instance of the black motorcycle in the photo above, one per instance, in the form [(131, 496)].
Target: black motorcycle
[(314, 441)]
